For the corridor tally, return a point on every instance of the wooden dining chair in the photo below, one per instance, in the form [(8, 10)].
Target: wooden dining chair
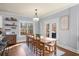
[(39, 48), (51, 47), (37, 40), (29, 40), (33, 44)]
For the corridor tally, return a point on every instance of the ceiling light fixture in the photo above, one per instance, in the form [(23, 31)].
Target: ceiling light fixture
[(36, 19)]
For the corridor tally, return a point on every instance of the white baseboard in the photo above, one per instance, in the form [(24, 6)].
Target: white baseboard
[(69, 48), (78, 51)]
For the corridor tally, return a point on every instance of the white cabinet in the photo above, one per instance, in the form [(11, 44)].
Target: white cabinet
[(1, 22), (10, 25)]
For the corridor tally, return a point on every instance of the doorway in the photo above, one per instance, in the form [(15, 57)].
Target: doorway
[(53, 30), (50, 30)]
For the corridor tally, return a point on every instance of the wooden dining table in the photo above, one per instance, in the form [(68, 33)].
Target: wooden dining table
[(50, 42)]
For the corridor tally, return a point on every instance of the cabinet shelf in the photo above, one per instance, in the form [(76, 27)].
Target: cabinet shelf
[(7, 29), (10, 19), (9, 25)]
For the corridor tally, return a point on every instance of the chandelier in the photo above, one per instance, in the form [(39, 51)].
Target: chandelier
[(36, 19)]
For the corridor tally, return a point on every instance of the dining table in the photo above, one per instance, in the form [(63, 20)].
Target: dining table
[(49, 42)]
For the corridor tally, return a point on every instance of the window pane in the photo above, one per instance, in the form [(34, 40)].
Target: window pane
[(30, 28), (26, 28)]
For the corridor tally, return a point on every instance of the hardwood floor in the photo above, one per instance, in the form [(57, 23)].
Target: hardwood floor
[(68, 53), (22, 49)]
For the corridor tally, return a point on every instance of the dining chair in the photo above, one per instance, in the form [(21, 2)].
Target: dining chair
[(41, 49), (51, 47), (3, 46)]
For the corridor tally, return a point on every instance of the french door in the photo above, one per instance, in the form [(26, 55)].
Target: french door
[(50, 30), (47, 30)]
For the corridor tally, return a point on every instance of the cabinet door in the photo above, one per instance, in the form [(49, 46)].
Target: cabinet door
[(11, 39), (14, 39)]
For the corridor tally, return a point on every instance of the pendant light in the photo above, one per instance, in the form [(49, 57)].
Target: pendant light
[(36, 18)]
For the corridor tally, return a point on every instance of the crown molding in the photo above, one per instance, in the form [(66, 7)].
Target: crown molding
[(58, 10)]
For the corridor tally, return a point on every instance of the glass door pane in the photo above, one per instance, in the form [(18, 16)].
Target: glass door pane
[(47, 30), (23, 28), (54, 30), (30, 28)]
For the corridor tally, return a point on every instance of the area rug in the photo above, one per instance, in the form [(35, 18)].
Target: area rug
[(59, 53)]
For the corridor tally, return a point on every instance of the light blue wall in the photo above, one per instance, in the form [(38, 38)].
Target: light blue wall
[(37, 27), (66, 38), (77, 11)]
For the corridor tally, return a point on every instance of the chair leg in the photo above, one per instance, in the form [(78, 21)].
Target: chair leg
[(3, 52), (40, 53), (43, 52), (54, 50), (36, 51), (49, 49), (7, 51)]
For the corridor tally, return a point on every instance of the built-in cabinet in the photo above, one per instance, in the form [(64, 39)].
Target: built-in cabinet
[(11, 39), (10, 25), (1, 22), (10, 29)]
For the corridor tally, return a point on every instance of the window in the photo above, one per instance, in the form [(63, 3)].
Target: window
[(26, 28)]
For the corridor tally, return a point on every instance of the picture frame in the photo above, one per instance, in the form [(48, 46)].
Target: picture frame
[(64, 22)]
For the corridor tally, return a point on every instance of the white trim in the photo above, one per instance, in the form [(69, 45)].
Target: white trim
[(77, 34), (34, 31), (68, 48), (45, 28)]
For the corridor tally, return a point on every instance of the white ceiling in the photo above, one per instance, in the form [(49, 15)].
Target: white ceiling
[(27, 9)]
